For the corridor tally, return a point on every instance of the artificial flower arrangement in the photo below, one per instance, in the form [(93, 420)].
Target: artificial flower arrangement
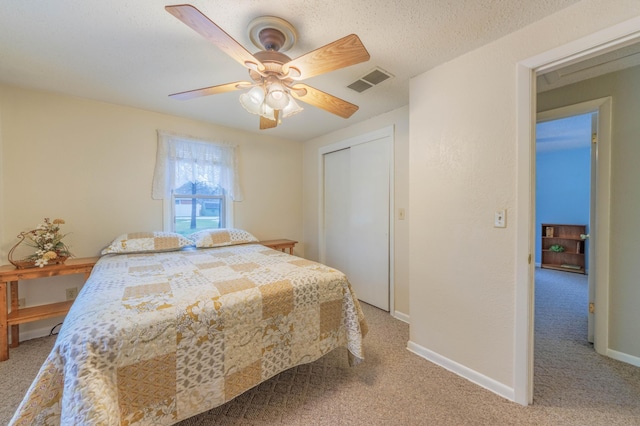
[(47, 240)]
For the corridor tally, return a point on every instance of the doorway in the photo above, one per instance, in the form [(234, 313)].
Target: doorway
[(597, 121), (588, 47), (563, 177), (599, 113), (565, 169)]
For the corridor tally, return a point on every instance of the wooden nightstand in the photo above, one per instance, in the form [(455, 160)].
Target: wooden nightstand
[(10, 275), (280, 244)]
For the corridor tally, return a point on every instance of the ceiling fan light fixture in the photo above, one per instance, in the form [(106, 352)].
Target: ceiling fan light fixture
[(273, 71), (277, 96), (267, 112), (256, 94), (253, 100), (291, 108)]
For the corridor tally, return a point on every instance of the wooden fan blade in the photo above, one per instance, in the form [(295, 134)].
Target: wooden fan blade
[(216, 35), (266, 123), (341, 53), (213, 90), (324, 100)]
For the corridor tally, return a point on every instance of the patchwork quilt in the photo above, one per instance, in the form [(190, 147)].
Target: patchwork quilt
[(156, 338)]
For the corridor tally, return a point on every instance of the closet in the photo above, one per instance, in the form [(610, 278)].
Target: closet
[(357, 188)]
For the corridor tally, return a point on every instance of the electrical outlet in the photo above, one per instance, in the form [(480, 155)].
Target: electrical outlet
[(72, 293), (21, 302), (500, 219)]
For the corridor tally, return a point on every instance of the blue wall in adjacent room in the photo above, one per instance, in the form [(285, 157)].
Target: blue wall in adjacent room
[(563, 173)]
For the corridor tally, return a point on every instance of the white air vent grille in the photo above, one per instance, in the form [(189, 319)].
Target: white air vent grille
[(369, 80)]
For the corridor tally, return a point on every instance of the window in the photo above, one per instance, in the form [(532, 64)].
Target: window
[(198, 182), (197, 206)]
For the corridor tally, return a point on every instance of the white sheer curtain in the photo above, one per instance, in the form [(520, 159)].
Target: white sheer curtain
[(182, 159)]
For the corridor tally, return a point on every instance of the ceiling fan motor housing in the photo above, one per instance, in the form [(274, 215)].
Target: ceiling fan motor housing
[(271, 39), (272, 61)]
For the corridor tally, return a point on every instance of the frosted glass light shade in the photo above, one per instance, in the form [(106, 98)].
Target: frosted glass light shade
[(277, 97), (291, 108), (267, 112), (253, 99)]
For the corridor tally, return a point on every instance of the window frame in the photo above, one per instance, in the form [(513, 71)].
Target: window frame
[(169, 210), (224, 200)]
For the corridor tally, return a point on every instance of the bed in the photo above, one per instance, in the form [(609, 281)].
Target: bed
[(158, 336)]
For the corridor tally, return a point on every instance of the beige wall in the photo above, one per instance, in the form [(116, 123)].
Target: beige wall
[(92, 163), (400, 120), (624, 291), (463, 167)]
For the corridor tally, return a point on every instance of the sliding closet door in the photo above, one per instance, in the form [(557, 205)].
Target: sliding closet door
[(369, 223), (356, 214), (337, 209)]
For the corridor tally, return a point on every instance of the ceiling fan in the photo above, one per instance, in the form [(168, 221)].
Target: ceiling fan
[(275, 77)]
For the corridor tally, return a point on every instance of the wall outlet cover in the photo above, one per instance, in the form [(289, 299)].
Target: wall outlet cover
[(72, 293)]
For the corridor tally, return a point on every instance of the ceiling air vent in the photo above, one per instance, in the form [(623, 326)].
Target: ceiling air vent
[(366, 82)]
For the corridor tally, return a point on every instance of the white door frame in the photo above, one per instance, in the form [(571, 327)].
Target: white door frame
[(378, 134), (580, 49)]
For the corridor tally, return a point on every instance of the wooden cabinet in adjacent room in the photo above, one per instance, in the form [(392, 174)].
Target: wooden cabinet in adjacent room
[(563, 247)]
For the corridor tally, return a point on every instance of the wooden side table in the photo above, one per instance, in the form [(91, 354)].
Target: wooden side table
[(9, 275), (280, 244)]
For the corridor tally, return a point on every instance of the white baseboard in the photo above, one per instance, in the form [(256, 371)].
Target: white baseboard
[(621, 356), (462, 371), (34, 334), (401, 316)]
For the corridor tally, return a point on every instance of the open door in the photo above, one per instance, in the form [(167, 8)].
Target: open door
[(588, 241), (565, 194)]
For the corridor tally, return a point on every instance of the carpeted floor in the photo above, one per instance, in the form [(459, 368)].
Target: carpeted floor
[(568, 372), (573, 385)]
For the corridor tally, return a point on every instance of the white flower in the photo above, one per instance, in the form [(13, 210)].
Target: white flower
[(47, 241)]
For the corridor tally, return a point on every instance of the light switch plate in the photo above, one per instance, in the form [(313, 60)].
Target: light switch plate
[(500, 219)]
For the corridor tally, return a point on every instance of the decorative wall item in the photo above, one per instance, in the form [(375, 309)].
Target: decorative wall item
[(549, 231)]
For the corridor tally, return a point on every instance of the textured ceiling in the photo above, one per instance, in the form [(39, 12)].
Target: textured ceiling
[(135, 53)]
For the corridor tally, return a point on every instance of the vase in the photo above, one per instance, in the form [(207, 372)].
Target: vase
[(25, 263)]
